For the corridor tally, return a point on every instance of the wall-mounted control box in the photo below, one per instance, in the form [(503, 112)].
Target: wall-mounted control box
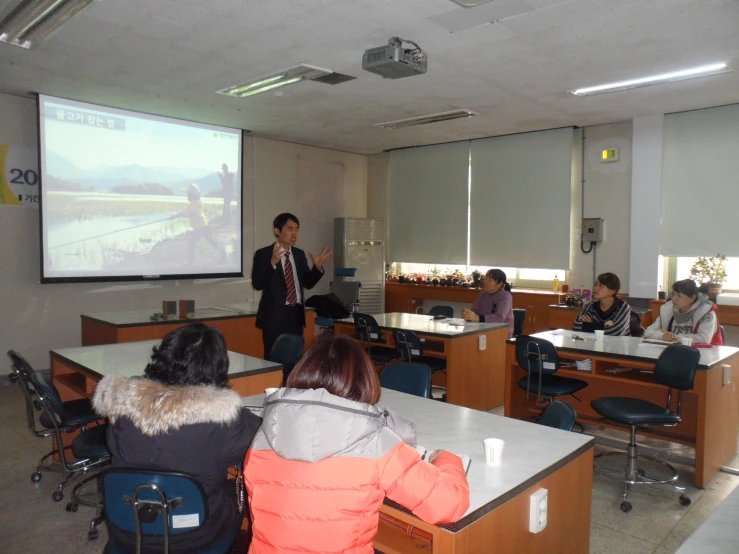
[(592, 229)]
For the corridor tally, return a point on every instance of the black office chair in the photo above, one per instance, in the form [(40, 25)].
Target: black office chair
[(90, 445), (446, 311), (368, 331), (409, 348), (286, 351), (539, 357), (723, 334), (558, 415), (56, 419), (408, 377), (519, 320), (148, 503), (675, 368)]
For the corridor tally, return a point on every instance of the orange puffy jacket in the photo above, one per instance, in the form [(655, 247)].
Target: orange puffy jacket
[(320, 467)]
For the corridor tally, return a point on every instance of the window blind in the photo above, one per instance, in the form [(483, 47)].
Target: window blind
[(520, 201), (700, 183), (428, 203)]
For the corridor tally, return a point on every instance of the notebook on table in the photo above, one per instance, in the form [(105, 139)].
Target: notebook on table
[(466, 461)]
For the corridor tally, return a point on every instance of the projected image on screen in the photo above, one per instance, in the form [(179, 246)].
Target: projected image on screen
[(127, 194)]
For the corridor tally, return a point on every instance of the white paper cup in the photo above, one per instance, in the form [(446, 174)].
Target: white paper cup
[(493, 451), (599, 335), (270, 390), (687, 341)]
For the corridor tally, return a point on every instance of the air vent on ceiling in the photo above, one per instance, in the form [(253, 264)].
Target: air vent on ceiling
[(333, 78), (470, 3), (425, 119)]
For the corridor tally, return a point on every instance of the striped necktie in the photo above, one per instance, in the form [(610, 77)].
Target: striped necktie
[(292, 296)]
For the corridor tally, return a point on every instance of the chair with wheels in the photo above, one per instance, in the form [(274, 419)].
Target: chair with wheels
[(56, 418), (408, 377), (287, 350), (443, 310), (367, 330), (558, 415), (539, 359), (519, 320), (675, 368), (159, 506)]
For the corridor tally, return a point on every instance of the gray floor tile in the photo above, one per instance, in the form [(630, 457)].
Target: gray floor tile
[(604, 540)]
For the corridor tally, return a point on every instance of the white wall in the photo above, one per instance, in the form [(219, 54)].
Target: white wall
[(607, 196), (35, 318)]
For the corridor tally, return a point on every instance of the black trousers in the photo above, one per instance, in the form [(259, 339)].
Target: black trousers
[(289, 320)]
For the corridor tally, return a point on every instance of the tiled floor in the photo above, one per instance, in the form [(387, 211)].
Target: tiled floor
[(32, 523)]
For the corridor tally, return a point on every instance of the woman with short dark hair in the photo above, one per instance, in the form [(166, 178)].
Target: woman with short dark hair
[(495, 303), (326, 457), (607, 312), (181, 416), (689, 313)]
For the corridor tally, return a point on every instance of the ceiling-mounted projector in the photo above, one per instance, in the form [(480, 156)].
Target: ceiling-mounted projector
[(393, 61)]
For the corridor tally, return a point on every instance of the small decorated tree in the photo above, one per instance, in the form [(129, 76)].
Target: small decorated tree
[(709, 270)]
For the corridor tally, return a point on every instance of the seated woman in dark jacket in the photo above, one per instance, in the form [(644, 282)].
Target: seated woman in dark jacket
[(607, 311), (181, 416)]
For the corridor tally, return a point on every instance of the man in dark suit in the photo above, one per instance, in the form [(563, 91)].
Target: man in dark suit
[(281, 272)]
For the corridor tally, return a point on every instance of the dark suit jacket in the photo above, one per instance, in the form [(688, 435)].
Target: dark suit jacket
[(271, 282)]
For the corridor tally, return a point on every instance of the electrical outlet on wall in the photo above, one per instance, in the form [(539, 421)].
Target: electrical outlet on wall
[(538, 511), (482, 342)]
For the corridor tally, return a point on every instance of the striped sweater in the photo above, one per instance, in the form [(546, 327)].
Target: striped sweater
[(619, 314)]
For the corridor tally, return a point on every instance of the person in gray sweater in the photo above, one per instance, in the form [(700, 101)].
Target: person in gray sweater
[(689, 314)]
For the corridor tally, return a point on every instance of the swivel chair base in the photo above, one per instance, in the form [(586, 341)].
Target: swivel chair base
[(632, 474), (93, 499)]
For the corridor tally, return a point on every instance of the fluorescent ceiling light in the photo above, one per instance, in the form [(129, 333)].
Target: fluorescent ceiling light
[(28, 22), (692, 73), (424, 119), (269, 82)]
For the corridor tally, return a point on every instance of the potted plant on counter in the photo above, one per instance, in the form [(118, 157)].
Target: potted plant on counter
[(710, 272)]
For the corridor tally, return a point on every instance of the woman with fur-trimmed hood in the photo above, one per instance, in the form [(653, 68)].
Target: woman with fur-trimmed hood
[(181, 416)]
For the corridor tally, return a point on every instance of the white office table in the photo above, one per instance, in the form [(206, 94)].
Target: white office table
[(710, 411), (474, 353), (497, 520), (76, 371)]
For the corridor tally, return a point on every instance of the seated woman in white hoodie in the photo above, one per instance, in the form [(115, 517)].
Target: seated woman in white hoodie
[(689, 314)]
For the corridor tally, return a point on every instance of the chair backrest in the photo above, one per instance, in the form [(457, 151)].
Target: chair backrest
[(153, 503), (408, 377), (519, 319), (676, 366), (348, 293), (49, 397), (559, 415), (446, 311), (535, 354), (366, 327), (23, 371), (723, 334), (287, 350), (407, 344)]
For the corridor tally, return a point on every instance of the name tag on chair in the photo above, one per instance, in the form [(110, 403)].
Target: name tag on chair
[(549, 365), (186, 520), (415, 352), (373, 335)]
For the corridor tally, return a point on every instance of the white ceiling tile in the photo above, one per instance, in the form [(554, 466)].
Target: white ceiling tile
[(552, 16), (460, 19)]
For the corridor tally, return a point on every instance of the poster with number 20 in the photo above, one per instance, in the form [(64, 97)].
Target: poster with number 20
[(19, 175)]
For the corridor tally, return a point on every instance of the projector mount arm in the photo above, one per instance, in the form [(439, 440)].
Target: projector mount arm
[(398, 42)]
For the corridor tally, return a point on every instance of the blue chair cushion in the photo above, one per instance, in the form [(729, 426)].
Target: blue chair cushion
[(552, 385), (324, 321), (634, 411), (76, 414), (91, 443)]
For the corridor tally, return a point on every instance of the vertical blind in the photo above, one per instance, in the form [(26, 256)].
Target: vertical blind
[(521, 199), (428, 203), (700, 183)]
